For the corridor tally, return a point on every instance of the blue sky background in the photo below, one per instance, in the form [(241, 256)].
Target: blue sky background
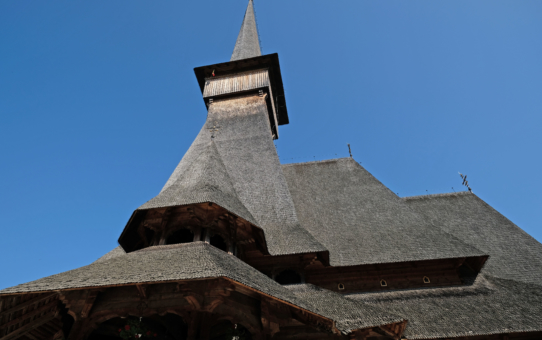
[(98, 103)]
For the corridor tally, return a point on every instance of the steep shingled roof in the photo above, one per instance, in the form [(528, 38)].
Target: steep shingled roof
[(248, 43), (361, 221), (488, 306), (245, 146), (514, 254), (352, 314), (188, 261), (205, 179)]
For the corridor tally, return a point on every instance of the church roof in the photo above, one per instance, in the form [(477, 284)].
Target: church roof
[(360, 221), (205, 179), (486, 306), (335, 208), (191, 261), (249, 159), (351, 314), (248, 42), (514, 254)]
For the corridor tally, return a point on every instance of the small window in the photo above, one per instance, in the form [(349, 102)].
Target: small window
[(218, 241), (180, 236), (288, 277), (340, 286), (426, 280), (383, 283)]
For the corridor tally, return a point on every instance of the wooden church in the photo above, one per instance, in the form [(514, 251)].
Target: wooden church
[(237, 246)]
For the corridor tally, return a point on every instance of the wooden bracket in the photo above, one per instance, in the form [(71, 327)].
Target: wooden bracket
[(89, 302), (142, 291), (359, 334)]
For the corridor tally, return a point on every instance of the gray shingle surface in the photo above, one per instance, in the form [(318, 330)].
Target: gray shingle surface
[(205, 179), (188, 261), (352, 314), (113, 253), (514, 254), (245, 146), (360, 221), (489, 306), (248, 43)]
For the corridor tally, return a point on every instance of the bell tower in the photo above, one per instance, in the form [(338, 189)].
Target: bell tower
[(230, 181)]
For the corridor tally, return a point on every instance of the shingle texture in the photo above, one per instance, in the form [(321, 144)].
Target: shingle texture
[(248, 43), (248, 158), (352, 314), (513, 253), (188, 261), (489, 306), (113, 253), (205, 179), (361, 221)]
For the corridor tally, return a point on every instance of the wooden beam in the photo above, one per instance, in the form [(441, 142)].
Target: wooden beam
[(142, 290), (89, 302), (29, 327), (359, 334), (58, 335), (31, 337), (30, 314), (386, 332), (26, 304)]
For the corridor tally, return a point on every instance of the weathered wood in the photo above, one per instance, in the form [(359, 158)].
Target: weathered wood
[(26, 304), (142, 290), (89, 302), (359, 334), (31, 314), (29, 327), (31, 337)]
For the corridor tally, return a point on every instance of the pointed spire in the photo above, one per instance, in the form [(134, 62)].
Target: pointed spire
[(248, 44)]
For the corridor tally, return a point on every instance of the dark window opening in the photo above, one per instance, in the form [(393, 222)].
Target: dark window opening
[(288, 277), (180, 236), (218, 242), (149, 236)]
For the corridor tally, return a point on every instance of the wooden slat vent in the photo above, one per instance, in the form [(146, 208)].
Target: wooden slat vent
[(216, 86)]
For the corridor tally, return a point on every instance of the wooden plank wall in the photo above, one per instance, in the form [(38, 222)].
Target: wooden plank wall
[(240, 82)]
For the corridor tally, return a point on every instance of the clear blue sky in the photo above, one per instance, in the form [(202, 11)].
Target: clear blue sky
[(98, 103)]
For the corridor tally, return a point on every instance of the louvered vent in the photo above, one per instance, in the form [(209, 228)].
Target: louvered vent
[(240, 82)]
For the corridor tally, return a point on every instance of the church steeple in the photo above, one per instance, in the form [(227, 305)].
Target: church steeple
[(248, 44)]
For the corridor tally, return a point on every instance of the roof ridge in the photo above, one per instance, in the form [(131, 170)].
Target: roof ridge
[(446, 194), (319, 161)]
